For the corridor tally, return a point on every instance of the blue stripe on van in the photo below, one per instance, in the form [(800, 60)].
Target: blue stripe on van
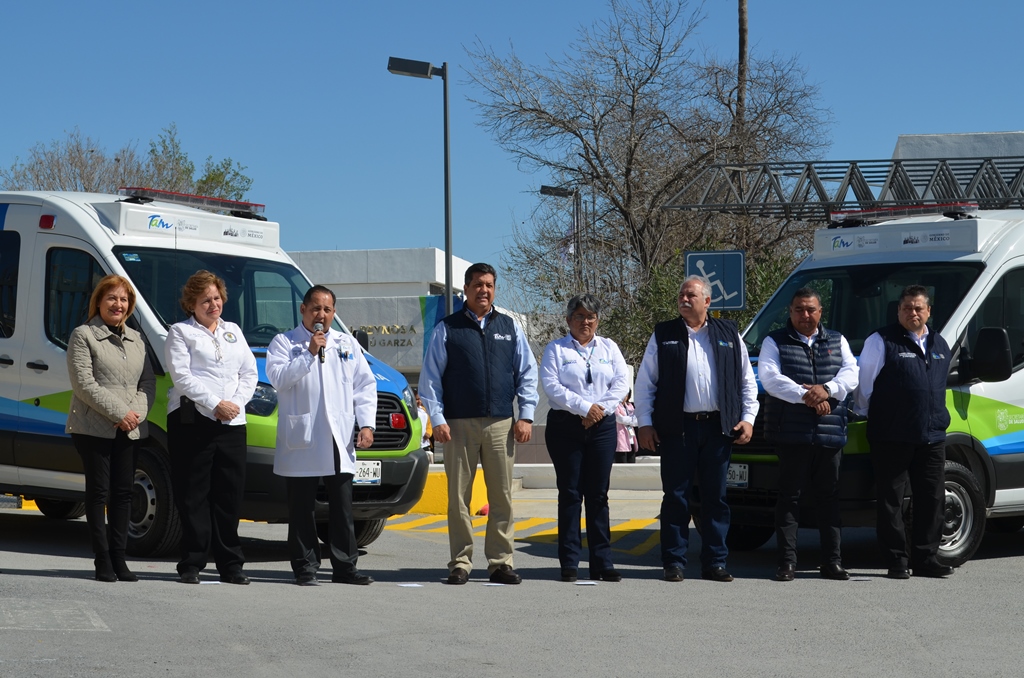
[(31, 419), (1011, 443), (3, 215)]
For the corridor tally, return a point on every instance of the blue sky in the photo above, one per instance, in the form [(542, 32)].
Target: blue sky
[(348, 156)]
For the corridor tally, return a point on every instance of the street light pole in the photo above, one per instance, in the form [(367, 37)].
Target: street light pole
[(577, 236), (424, 69)]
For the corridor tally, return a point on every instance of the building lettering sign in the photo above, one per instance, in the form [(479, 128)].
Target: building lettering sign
[(390, 335)]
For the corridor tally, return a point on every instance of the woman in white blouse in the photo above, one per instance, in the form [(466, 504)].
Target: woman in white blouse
[(214, 375), (584, 377)]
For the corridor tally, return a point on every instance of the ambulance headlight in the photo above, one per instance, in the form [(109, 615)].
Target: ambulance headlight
[(410, 402), (264, 401)]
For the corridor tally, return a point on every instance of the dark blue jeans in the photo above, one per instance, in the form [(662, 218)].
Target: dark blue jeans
[(701, 454), (583, 465)]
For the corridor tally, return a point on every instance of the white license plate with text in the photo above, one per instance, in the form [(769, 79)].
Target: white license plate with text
[(367, 473), (738, 475)]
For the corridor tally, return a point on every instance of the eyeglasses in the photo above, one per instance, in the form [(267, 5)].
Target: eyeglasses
[(217, 351), (580, 318)]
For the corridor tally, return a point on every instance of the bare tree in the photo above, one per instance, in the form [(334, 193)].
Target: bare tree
[(79, 163), (628, 116)]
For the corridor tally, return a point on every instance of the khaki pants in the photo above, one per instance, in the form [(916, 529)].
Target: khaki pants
[(489, 442)]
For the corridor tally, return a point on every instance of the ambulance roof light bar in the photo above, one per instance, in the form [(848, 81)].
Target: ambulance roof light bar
[(850, 218), (238, 208)]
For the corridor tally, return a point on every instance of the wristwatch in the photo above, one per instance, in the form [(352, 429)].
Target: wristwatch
[(828, 391)]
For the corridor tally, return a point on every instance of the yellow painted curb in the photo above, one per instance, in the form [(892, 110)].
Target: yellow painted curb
[(435, 494)]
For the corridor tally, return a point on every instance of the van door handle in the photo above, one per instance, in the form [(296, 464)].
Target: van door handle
[(37, 366), (4, 360)]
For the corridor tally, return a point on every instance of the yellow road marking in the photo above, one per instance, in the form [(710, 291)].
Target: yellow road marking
[(623, 529), (419, 522), (476, 522)]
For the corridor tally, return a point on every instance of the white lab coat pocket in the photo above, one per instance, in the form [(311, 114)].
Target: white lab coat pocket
[(298, 431)]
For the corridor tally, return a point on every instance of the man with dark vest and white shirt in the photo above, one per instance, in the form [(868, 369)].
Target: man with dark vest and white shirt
[(807, 372), (477, 361), (903, 372), (695, 396)]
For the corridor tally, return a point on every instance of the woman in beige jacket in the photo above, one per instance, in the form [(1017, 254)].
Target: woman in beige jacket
[(112, 387)]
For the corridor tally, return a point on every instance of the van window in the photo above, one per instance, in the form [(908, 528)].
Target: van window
[(857, 300), (263, 296), (1003, 308), (10, 251), (71, 276)]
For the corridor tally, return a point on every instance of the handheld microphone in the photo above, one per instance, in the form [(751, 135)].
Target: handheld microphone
[(319, 327)]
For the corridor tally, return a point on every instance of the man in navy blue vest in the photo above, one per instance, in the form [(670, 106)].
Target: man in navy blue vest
[(478, 360), (695, 396), (903, 372), (807, 373)]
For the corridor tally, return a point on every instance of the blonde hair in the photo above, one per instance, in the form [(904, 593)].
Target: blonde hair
[(104, 286), (196, 285)]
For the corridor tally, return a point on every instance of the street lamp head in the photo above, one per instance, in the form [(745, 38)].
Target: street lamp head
[(557, 191), (415, 69)]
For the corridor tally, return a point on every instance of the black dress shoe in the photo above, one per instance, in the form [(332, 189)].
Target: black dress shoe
[(834, 571), (458, 576), (611, 575), (189, 577), (235, 578), (933, 569), (104, 570), (355, 578), (673, 574), (505, 575), (569, 574), (786, 572), (716, 574), (307, 579), (898, 572)]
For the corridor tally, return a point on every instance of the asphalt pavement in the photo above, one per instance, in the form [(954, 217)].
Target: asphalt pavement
[(56, 621)]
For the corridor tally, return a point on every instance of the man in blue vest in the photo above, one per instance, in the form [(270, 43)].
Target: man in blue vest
[(478, 360), (695, 396), (903, 372), (807, 372)]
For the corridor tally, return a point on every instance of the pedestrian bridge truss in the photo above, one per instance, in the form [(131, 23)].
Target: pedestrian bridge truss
[(812, 191)]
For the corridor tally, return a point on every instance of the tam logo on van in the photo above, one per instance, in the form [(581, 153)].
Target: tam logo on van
[(156, 222), (838, 243)]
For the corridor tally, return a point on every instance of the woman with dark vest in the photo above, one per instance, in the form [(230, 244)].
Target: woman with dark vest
[(214, 375), (903, 372), (807, 372), (112, 388), (585, 378)]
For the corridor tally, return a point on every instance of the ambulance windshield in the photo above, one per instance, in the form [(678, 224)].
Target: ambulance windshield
[(857, 300), (263, 296)]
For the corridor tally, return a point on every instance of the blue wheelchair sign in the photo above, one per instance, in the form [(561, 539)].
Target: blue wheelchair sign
[(726, 271)]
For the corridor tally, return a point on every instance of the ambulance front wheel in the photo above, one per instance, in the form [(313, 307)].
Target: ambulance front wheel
[(154, 528)]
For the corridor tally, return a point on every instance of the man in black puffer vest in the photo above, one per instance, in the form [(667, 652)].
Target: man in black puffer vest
[(695, 396), (903, 372), (808, 373), (477, 362)]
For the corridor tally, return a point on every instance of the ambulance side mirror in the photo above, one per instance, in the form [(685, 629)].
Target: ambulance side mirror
[(363, 338), (991, 359)]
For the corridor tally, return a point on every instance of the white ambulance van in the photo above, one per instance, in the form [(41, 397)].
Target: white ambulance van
[(54, 247), (972, 263)]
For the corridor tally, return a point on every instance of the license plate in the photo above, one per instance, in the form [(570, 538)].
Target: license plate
[(367, 473), (738, 475)]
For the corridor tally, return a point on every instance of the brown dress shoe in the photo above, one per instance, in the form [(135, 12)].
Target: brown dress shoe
[(458, 577), (505, 575)]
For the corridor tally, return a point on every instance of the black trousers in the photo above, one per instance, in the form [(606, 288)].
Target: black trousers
[(582, 458), (208, 472), (303, 543), (109, 465), (923, 466), (815, 468)]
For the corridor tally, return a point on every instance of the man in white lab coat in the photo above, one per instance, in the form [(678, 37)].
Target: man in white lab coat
[(324, 387)]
